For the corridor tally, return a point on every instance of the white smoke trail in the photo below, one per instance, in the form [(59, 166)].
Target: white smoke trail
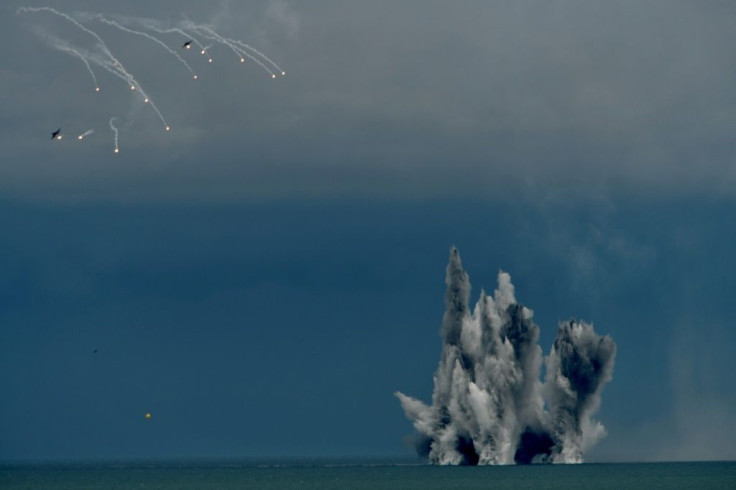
[(115, 130), (158, 112), (95, 58), (103, 57), (203, 49), (488, 405), (87, 57), (213, 36), (80, 26), (247, 46), (112, 69), (85, 134), (136, 86), (84, 60), (117, 65), (150, 37), (208, 33), (130, 81)]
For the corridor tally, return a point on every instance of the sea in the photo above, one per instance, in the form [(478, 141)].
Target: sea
[(362, 474)]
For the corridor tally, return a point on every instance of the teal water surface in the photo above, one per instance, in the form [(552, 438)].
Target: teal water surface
[(355, 476)]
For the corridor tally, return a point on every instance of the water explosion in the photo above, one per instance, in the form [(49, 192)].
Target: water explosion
[(489, 405)]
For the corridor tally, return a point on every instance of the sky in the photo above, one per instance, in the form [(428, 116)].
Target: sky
[(263, 277)]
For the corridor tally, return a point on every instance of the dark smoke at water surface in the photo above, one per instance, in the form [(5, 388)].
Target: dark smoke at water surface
[(489, 405)]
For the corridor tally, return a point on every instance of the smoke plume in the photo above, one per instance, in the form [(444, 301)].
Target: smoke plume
[(489, 405)]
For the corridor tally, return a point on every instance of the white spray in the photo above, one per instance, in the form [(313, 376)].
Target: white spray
[(488, 405)]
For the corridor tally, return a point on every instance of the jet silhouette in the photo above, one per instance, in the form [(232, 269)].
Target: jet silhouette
[(56, 135)]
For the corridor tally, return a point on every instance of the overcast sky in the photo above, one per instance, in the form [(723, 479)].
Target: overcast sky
[(266, 274)]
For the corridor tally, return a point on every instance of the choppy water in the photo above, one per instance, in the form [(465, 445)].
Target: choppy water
[(363, 475)]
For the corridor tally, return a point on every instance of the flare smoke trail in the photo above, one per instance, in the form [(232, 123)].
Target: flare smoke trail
[(100, 61), (149, 24), (85, 134), (213, 36), (86, 57), (117, 65), (114, 130), (150, 37), (102, 56), (248, 46), (488, 404), (90, 56), (242, 54), (80, 26), (86, 63)]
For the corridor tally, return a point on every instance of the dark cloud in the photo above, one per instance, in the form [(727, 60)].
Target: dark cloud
[(395, 100)]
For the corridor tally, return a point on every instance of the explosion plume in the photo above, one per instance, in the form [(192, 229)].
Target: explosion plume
[(489, 405)]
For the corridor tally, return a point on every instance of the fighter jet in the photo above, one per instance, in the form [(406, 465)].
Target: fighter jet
[(56, 135), (186, 44)]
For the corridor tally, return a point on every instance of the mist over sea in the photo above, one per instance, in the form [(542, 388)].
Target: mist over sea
[(361, 474)]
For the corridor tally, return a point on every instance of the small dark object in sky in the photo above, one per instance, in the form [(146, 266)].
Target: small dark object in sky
[(186, 44), (94, 351), (56, 135)]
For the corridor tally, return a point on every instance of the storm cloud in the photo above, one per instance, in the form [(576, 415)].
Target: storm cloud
[(392, 100)]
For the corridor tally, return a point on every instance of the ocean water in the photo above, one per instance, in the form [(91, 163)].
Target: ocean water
[(362, 475)]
